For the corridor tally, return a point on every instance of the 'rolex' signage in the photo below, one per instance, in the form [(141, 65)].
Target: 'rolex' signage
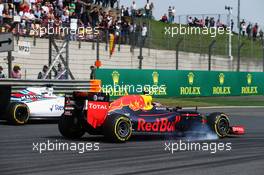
[(221, 89), (190, 90), (119, 85), (249, 89), (119, 82)]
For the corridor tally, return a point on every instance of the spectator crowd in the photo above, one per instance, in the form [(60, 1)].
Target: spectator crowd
[(15, 73), (246, 29), (26, 16), (23, 17), (251, 30)]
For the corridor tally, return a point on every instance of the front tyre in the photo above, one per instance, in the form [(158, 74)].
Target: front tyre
[(118, 128), (219, 123), (18, 113), (70, 127)]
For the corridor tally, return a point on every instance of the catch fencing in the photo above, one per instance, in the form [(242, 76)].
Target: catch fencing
[(159, 51)]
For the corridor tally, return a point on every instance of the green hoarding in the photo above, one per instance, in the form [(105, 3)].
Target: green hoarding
[(118, 82)]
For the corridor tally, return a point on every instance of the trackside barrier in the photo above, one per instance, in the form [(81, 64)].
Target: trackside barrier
[(95, 86), (60, 86), (171, 83)]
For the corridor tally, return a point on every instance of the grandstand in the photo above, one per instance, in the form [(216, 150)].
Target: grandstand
[(159, 50)]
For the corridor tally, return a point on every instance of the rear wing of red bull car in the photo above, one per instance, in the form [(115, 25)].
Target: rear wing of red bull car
[(93, 102)]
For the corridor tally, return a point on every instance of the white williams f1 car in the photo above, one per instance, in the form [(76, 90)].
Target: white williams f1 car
[(32, 103)]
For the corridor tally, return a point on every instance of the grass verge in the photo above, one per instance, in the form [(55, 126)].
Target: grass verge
[(200, 43)]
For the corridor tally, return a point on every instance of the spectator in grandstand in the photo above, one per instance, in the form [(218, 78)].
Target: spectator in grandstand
[(72, 7), (261, 34), (207, 21), (95, 16), (132, 30), (37, 13), (74, 27), (2, 75), (92, 74), (16, 72), (29, 17), (24, 7), (249, 30), (42, 74), (190, 21), (126, 12), (122, 11), (117, 28), (170, 14), (173, 11), (32, 2), (139, 13), (164, 18), (112, 3), (243, 28), (61, 73), (255, 31), (60, 3), (242, 24), (144, 33), (148, 9), (151, 9), (124, 32), (7, 15), (220, 24), (65, 19), (16, 5), (105, 3), (196, 22), (201, 23), (133, 9), (1, 13), (212, 22), (97, 2), (85, 18)]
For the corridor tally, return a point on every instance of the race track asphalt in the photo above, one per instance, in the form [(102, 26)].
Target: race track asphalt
[(141, 155)]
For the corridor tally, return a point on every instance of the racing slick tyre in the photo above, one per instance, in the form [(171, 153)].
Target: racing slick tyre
[(118, 128), (70, 127), (18, 113), (219, 122)]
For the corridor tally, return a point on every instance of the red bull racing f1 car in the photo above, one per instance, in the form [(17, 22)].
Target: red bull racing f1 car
[(118, 120)]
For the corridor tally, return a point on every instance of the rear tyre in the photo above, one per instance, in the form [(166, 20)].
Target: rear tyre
[(18, 113), (118, 128), (70, 127), (219, 123)]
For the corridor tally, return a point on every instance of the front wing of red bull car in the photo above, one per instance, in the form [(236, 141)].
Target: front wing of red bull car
[(92, 112)]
